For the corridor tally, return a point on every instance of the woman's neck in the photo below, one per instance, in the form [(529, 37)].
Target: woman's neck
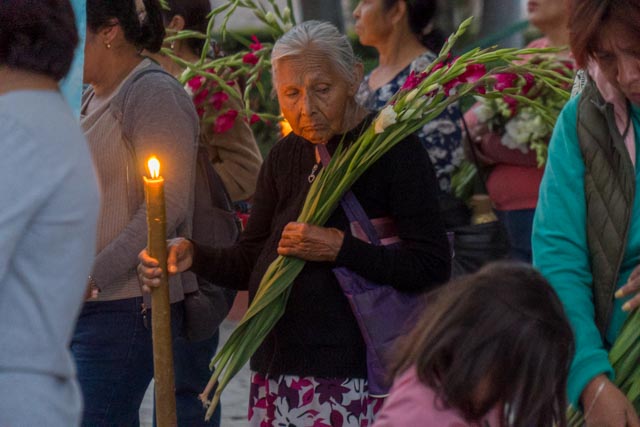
[(116, 69), (12, 79), (558, 36), (398, 51), (171, 66)]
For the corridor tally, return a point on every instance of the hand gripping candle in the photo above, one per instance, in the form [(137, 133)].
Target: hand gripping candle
[(160, 309)]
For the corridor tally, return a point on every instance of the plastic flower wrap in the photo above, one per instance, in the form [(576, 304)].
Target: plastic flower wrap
[(521, 126), (422, 98)]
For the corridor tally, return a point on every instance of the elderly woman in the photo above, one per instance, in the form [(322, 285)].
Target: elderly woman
[(586, 232), (312, 367), (131, 110), (48, 216)]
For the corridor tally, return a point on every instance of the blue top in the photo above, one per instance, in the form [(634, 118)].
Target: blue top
[(561, 252), (442, 137), (48, 212)]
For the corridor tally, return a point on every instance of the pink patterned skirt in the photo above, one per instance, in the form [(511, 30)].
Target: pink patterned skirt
[(289, 400)]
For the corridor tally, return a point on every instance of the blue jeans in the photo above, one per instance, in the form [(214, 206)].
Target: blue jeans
[(518, 224), (113, 351), (191, 361)]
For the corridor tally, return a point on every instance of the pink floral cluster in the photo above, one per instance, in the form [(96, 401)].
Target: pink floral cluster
[(209, 99)]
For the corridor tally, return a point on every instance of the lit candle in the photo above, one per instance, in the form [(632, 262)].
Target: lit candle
[(160, 308)]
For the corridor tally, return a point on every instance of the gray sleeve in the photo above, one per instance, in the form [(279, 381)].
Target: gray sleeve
[(163, 123)]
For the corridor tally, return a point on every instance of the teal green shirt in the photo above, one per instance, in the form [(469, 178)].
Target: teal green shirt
[(561, 253)]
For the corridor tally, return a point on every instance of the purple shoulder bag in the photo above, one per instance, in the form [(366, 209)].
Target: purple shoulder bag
[(383, 313)]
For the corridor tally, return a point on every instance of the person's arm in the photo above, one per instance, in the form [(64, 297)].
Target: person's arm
[(560, 249), (235, 154), (165, 125), (231, 267), (423, 258)]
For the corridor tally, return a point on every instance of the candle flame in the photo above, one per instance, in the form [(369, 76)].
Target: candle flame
[(154, 167)]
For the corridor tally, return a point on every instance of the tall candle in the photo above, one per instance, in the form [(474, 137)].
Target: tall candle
[(160, 309)]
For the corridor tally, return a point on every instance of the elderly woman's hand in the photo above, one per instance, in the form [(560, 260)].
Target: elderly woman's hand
[(631, 287), (310, 242), (179, 259)]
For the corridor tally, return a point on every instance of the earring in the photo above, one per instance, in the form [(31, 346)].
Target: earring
[(108, 45), (173, 45)]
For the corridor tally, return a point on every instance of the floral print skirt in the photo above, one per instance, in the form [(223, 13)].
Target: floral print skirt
[(289, 400)]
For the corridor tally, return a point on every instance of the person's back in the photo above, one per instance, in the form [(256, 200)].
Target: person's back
[(50, 202)]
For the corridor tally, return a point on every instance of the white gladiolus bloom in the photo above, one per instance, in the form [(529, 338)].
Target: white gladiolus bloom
[(386, 118)]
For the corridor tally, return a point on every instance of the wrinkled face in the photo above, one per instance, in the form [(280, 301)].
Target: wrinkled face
[(547, 13), (619, 59), (313, 96), (372, 22)]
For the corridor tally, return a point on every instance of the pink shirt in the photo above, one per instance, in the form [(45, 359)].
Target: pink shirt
[(413, 404)]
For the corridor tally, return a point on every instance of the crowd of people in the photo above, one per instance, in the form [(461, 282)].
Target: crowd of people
[(512, 344)]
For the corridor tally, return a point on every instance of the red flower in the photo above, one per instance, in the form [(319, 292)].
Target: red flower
[(195, 83), (529, 82), (254, 119), (473, 73), (201, 96), (512, 103), (505, 81), (256, 45), (225, 121), (219, 98), (250, 58), (413, 80)]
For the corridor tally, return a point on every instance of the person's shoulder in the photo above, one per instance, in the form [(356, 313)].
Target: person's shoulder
[(151, 84)]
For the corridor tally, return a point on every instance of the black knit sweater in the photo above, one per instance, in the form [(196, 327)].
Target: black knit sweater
[(318, 334)]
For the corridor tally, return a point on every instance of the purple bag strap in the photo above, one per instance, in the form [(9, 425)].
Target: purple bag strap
[(350, 204)]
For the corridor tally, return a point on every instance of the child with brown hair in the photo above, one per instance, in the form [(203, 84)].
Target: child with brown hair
[(491, 349)]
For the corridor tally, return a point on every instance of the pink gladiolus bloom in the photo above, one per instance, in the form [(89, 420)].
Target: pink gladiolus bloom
[(225, 121), (195, 83), (254, 119), (250, 58), (512, 103), (529, 82), (256, 45), (219, 98), (481, 90), (200, 97), (505, 81), (473, 73), (413, 80)]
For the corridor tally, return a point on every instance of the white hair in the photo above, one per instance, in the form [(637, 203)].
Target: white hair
[(321, 37)]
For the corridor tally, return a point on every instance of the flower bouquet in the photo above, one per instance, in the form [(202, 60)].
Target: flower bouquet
[(521, 126), (423, 97)]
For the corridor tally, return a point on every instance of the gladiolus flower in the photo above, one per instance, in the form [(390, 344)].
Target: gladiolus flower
[(254, 119), (250, 58), (201, 96), (385, 118), (225, 121), (219, 98), (473, 73), (529, 82), (195, 83), (413, 80), (256, 45), (504, 81)]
